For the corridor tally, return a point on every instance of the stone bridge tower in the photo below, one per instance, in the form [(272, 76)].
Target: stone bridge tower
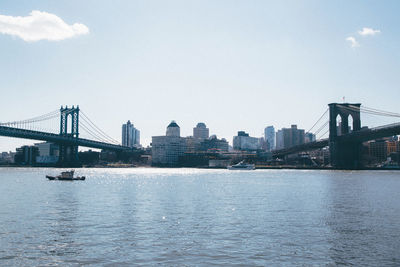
[(344, 154)]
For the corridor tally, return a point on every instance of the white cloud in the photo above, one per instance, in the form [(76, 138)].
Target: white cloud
[(368, 31), (353, 41), (40, 26)]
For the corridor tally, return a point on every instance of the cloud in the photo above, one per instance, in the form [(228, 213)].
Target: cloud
[(353, 41), (368, 31), (40, 26)]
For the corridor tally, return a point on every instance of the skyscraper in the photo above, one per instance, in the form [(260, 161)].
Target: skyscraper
[(130, 135), (269, 134), (288, 137), (167, 149), (245, 142), (201, 131), (173, 129)]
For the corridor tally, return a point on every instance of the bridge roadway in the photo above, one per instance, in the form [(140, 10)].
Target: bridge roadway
[(301, 148), (362, 135), (368, 134), (56, 138)]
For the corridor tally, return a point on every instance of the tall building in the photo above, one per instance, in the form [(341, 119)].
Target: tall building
[(167, 149), (201, 131), (288, 137), (269, 135), (173, 129), (245, 142), (130, 135)]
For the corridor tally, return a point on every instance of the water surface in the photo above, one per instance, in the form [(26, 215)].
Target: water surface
[(200, 217)]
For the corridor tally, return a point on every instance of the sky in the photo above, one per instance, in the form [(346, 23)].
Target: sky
[(234, 65)]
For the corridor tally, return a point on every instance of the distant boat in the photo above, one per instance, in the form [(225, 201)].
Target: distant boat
[(242, 166), (66, 176)]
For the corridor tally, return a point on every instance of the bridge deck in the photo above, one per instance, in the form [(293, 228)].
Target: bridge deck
[(56, 138), (362, 135), (301, 148)]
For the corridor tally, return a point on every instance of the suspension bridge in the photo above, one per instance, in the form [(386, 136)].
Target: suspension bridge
[(69, 128), (344, 144)]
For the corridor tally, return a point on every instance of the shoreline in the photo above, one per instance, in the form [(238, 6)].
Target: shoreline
[(257, 167)]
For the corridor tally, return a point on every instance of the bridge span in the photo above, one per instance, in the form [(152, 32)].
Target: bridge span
[(66, 134), (345, 146), (59, 139)]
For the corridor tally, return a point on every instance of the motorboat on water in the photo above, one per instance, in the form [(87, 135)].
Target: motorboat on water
[(242, 166), (66, 176)]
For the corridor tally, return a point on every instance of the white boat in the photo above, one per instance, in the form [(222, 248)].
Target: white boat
[(242, 166)]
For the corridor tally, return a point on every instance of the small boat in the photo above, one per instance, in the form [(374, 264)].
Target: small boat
[(66, 176), (242, 166)]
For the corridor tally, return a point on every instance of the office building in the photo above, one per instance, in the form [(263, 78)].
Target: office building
[(245, 142), (380, 149), (201, 131), (214, 144), (288, 137), (167, 149), (48, 153), (269, 135), (173, 129), (130, 135), (26, 155)]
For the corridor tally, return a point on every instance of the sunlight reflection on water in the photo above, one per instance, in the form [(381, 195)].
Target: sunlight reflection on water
[(199, 217)]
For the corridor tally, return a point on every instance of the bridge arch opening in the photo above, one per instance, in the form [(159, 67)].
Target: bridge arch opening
[(338, 124), (70, 127), (351, 123)]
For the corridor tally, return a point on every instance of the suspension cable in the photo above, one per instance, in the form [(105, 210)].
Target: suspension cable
[(318, 120), (321, 128), (99, 134), (98, 129)]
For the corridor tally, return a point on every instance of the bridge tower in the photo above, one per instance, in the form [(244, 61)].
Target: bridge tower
[(69, 153), (345, 155)]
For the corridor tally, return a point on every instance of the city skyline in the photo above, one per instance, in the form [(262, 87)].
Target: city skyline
[(232, 65)]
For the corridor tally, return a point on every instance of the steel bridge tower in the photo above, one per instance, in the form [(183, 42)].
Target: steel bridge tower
[(69, 153), (344, 155)]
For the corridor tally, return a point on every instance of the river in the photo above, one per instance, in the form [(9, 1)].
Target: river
[(150, 216)]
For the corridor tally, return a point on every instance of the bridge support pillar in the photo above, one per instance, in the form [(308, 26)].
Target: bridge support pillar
[(68, 156), (344, 155)]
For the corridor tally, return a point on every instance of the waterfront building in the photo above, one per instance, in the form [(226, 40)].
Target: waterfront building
[(269, 135), (48, 153), (26, 155), (167, 149), (130, 135), (288, 137), (201, 131), (214, 144), (245, 142), (380, 149)]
